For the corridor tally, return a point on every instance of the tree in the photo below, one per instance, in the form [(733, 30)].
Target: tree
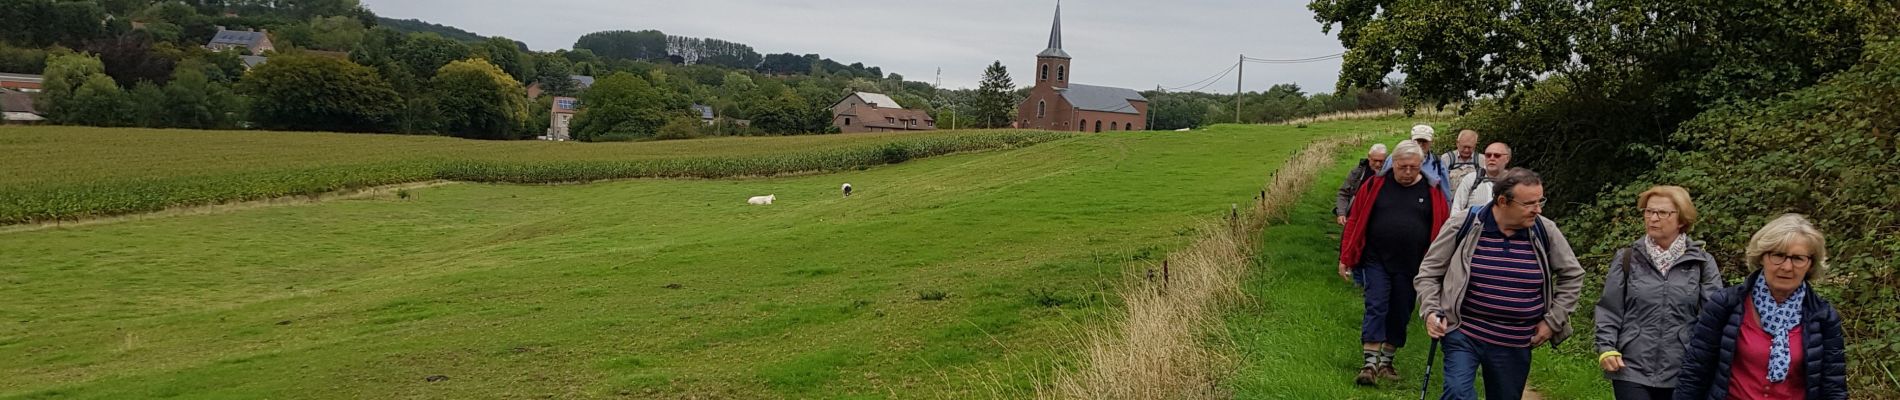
[(313, 93), (995, 101), (504, 54), (556, 75), (131, 58), (424, 53), (619, 107), (479, 101), (97, 102), (649, 45), (41, 23), (194, 101), (65, 73)]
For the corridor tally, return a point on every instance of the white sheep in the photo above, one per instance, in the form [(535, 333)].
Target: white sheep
[(847, 190), (762, 200)]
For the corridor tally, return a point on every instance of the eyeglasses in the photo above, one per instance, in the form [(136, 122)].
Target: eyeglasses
[(1537, 204), (1497, 155), (1652, 213), (1777, 258)]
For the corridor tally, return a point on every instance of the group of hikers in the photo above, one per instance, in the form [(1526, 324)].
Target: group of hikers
[(1462, 238)]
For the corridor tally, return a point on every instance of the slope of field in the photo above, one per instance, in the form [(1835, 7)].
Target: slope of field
[(1300, 339), (67, 173), (949, 277)]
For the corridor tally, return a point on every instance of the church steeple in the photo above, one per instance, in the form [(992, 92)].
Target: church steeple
[(1055, 37)]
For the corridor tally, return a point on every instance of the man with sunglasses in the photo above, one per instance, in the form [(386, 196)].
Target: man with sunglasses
[(1475, 191), (1497, 281)]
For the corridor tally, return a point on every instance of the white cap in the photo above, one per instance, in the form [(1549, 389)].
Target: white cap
[(1423, 132)]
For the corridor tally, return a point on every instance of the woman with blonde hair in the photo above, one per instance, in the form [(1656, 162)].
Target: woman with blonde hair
[(1773, 336), (1654, 290)]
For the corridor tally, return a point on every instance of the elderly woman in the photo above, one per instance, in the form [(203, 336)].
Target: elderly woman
[(1772, 337), (1651, 297)]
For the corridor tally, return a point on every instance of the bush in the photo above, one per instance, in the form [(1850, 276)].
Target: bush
[(1827, 151), (681, 127)]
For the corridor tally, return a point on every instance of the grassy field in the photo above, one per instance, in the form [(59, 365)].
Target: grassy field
[(950, 277), (68, 173), (1300, 338)]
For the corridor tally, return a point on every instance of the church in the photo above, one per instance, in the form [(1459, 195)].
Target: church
[(1055, 104)]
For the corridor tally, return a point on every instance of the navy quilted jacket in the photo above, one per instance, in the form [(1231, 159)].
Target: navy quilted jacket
[(1705, 364)]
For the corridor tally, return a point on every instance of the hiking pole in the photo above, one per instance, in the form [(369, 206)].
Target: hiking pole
[(1425, 388)]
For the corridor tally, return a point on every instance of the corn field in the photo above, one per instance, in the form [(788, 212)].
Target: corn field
[(77, 173)]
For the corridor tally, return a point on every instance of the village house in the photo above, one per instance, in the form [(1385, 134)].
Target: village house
[(257, 41), (21, 82), (1055, 104), (872, 112), (17, 108), (560, 116)]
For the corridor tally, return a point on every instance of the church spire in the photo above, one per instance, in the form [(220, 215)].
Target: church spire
[(1055, 37)]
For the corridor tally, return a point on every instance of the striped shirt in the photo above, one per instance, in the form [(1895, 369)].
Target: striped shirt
[(1506, 298)]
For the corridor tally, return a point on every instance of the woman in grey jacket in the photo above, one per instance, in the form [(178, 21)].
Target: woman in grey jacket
[(1651, 298)]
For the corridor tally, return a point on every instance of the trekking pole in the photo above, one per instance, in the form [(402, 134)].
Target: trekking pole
[(1425, 388)]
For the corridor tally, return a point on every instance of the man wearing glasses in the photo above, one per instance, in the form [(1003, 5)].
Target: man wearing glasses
[(1475, 191), (1496, 285)]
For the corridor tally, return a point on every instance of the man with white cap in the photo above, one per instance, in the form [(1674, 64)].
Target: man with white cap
[(1423, 135)]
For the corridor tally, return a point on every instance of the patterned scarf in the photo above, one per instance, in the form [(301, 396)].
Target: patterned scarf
[(1666, 258), (1778, 319)]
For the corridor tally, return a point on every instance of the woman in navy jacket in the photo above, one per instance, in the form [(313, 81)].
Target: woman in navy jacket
[(1772, 337)]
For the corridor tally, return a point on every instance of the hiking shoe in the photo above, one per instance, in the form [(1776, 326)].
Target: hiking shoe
[(1386, 372), (1368, 376)]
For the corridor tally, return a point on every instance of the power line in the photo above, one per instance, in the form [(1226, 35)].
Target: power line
[(1216, 77), (1328, 57), (1210, 82)]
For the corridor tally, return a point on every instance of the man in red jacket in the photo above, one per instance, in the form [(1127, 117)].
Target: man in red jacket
[(1393, 220)]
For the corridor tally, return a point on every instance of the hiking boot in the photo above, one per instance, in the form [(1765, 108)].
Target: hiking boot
[(1386, 372), (1368, 376)]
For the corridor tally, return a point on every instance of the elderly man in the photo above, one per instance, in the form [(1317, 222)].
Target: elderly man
[(1464, 161), (1476, 190), (1393, 219), (1368, 167), (1494, 284)]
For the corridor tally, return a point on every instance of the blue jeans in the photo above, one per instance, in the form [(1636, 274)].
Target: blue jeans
[(1389, 302), (1505, 368)]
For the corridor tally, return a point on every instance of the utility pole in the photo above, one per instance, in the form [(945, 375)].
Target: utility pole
[(1238, 79), (1151, 107)]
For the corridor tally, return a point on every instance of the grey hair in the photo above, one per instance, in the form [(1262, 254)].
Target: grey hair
[(1408, 148), (1377, 148), (1778, 234)]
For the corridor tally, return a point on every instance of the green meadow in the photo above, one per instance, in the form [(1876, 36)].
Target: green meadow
[(965, 275)]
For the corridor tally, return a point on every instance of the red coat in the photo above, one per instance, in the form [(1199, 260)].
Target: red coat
[(1353, 244)]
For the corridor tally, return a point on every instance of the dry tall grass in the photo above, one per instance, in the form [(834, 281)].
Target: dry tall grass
[(1370, 114), (1169, 343)]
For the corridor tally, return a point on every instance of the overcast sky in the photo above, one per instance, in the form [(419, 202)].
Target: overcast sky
[(1136, 44)]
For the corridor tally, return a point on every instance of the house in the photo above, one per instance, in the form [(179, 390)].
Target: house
[(872, 112), (581, 82), (560, 116), (1055, 104), (252, 61), (257, 41), (21, 82), (17, 108), (705, 113)]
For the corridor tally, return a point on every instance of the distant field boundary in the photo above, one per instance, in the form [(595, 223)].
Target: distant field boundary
[(67, 203), (1166, 345), (1368, 114)]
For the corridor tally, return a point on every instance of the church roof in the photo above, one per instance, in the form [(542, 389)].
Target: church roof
[(1055, 38), (1102, 98)]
